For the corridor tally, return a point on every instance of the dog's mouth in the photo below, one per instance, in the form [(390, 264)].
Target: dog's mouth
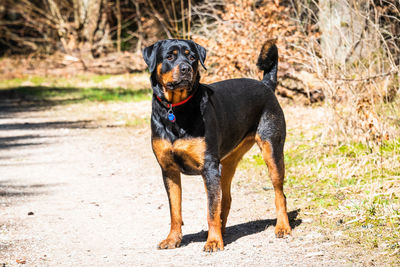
[(181, 84)]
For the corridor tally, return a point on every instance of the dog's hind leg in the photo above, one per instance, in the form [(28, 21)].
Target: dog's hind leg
[(270, 138)]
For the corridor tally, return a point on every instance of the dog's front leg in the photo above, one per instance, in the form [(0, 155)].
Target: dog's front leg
[(212, 182), (172, 182)]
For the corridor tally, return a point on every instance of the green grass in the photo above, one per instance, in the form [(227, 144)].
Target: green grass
[(100, 78), (128, 81), (86, 90), (118, 94), (67, 95), (352, 182), (137, 122), (129, 87)]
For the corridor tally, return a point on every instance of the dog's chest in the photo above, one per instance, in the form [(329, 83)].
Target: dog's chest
[(184, 155)]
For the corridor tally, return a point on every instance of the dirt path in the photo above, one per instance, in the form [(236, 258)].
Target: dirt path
[(75, 192)]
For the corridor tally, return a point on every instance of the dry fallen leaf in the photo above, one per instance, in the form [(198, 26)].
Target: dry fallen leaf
[(21, 261)]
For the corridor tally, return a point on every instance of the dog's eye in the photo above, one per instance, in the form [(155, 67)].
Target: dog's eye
[(191, 57), (170, 57)]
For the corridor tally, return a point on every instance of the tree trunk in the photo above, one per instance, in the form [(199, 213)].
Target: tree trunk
[(92, 28), (344, 27)]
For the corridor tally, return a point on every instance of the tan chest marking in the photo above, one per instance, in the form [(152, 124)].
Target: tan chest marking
[(189, 152)]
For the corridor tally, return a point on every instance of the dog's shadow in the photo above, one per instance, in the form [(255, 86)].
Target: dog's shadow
[(235, 232)]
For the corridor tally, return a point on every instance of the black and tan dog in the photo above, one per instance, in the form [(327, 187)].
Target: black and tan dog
[(200, 129)]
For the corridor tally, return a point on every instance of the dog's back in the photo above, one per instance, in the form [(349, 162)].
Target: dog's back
[(240, 103)]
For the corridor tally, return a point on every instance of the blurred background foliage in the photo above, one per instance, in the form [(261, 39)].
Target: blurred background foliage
[(345, 53)]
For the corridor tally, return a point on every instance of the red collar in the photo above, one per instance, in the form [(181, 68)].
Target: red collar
[(168, 105)]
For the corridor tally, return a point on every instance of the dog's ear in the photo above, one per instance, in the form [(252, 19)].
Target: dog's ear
[(150, 55), (201, 51)]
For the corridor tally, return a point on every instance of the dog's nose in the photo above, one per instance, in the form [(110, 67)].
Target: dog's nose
[(185, 68)]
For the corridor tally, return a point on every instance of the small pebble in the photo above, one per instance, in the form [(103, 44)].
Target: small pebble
[(313, 254), (368, 226), (265, 188), (338, 234)]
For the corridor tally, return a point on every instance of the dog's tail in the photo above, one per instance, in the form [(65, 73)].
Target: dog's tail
[(268, 62)]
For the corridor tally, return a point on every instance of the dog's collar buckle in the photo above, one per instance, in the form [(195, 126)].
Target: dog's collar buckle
[(171, 116)]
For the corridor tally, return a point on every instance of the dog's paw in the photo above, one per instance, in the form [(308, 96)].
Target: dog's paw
[(213, 245), (282, 230), (170, 243)]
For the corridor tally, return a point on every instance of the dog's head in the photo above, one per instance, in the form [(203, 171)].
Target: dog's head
[(174, 67)]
